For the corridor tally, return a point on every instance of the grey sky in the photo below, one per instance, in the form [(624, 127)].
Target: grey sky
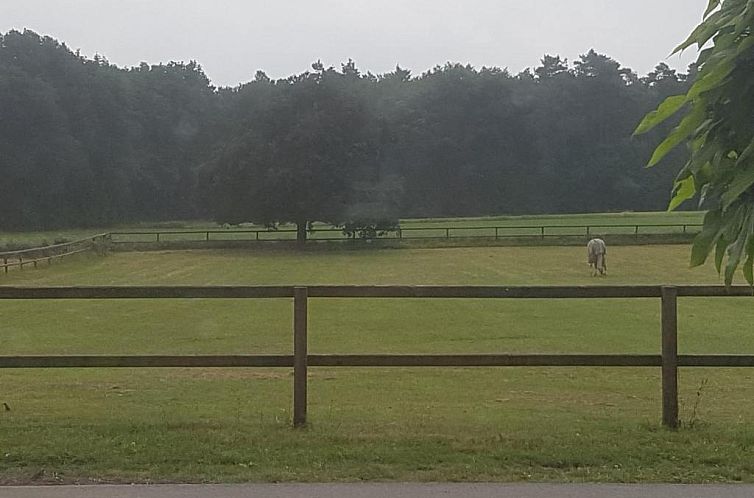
[(231, 39)]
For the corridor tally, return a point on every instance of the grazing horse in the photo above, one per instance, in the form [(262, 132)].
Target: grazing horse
[(595, 252)]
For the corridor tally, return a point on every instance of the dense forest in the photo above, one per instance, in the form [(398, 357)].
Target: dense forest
[(86, 143)]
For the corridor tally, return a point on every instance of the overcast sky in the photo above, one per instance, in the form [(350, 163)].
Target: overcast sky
[(231, 39)]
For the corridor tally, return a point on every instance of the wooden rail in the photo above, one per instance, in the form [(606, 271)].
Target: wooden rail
[(35, 255), (408, 233), (668, 360)]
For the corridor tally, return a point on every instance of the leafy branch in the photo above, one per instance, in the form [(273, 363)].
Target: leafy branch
[(719, 130)]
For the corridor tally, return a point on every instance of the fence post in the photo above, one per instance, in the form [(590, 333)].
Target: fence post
[(636, 232), (447, 233), (543, 233), (400, 233), (158, 236), (496, 236), (5, 262), (300, 298), (207, 236), (669, 357), (587, 231)]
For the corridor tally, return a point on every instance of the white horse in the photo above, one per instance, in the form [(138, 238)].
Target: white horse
[(595, 253)]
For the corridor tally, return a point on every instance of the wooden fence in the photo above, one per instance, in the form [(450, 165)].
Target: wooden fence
[(36, 255), (411, 233), (668, 360)]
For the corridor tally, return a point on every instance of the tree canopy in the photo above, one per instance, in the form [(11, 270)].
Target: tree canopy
[(83, 142), (86, 143)]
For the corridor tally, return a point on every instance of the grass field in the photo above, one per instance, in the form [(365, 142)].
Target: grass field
[(578, 424), (435, 227)]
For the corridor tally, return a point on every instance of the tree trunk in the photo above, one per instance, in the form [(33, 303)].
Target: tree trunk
[(301, 232)]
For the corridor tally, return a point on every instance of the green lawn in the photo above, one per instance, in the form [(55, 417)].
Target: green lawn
[(577, 424)]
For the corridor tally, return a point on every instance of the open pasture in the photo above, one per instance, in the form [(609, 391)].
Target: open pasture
[(427, 424)]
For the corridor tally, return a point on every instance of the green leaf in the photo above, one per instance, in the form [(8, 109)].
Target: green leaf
[(744, 21), (735, 230), (722, 44), (697, 143), (712, 80), (735, 251), (720, 56), (743, 179), (667, 108), (699, 32), (745, 45), (732, 221), (712, 5), (720, 248), (686, 127), (734, 258), (707, 237), (701, 157), (704, 55), (703, 177), (749, 268), (684, 189)]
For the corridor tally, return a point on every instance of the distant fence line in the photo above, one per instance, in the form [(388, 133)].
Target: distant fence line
[(35, 255), (408, 233), (668, 360)]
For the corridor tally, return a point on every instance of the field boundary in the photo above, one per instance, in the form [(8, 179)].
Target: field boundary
[(417, 237), (35, 255), (418, 243), (668, 360), (531, 233)]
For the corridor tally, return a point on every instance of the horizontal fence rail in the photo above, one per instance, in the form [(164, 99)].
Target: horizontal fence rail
[(668, 360), (367, 291), (408, 233), (372, 360), (35, 255)]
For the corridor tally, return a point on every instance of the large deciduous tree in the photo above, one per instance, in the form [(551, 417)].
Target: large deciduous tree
[(719, 131), (303, 156)]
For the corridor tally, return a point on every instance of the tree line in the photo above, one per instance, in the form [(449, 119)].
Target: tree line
[(86, 143)]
